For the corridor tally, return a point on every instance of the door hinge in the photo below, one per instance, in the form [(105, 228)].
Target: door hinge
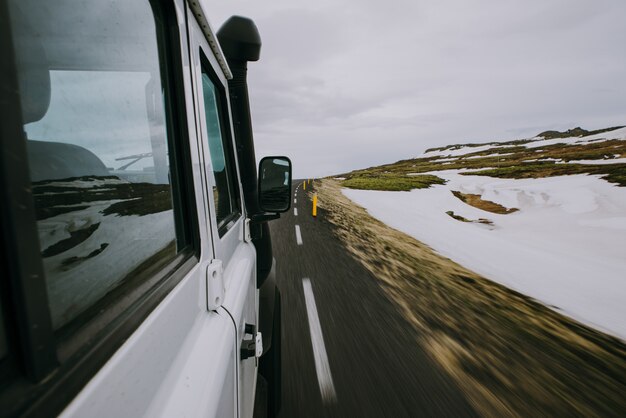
[(214, 285), (259, 344), (247, 234)]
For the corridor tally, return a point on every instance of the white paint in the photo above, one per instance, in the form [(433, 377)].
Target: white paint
[(564, 247), (170, 366), (295, 211), (298, 235), (295, 201), (322, 368)]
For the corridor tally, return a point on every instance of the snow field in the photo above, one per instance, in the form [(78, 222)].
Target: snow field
[(565, 246)]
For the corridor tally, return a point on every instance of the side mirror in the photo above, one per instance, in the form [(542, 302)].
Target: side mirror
[(275, 184)]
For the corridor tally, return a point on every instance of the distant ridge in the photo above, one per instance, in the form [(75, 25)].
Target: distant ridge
[(578, 131), (550, 154), (574, 132)]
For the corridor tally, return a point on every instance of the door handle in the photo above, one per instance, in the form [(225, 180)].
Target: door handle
[(253, 346)]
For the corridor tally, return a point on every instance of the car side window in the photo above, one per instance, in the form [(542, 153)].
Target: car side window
[(98, 151), (225, 185), (100, 222)]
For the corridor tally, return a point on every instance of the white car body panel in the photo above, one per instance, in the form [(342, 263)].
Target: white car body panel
[(184, 360)]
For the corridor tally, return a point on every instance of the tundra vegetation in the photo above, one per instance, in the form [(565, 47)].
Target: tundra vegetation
[(478, 202), (391, 182), (511, 159)]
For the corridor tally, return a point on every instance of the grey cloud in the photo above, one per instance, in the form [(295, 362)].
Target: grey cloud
[(350, 84), (295, 38)]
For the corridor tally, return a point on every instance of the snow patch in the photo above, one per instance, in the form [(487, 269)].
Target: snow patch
[(577, 140), (488, 155), (600, 162), (565, 246), (462, 150), (543, 159), (84, 183)]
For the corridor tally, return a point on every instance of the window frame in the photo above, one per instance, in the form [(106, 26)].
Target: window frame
[(27, 301), (32, 380), (227, 143)]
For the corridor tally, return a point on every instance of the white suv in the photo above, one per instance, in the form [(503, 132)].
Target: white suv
[(137, 271)]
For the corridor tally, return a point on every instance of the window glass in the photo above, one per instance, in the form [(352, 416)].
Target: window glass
[(225, 189), (93, 106)]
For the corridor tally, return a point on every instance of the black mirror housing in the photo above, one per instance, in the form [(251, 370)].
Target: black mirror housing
[(275, 184)]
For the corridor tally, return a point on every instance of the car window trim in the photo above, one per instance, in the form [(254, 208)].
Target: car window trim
[(29, 298), (227, 142)]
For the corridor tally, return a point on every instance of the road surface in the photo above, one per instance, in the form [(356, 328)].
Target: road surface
[(347, 350)]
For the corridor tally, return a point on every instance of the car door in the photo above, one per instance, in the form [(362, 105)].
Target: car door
[(121, 250), (233, 252)]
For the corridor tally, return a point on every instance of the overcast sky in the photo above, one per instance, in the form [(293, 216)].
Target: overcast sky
[(347, 84)]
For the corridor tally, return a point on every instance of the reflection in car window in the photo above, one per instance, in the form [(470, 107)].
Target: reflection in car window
[(3, 339), (94, 117), (225, 191)]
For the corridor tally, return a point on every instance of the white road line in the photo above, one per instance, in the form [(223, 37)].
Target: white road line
[(298, 235), (295, 200), (324, 377), (295, 211)]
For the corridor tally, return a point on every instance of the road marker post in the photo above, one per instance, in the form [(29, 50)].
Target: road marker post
[(304, 185), (315, 205)]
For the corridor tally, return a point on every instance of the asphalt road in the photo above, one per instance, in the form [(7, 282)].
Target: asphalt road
[(359, 358)]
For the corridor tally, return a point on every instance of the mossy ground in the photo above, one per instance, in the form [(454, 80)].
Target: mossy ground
[(478, 202), (391, 182), (509, 160)]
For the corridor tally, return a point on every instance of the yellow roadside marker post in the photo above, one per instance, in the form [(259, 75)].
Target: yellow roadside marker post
[(304, 185), (315, 205)]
